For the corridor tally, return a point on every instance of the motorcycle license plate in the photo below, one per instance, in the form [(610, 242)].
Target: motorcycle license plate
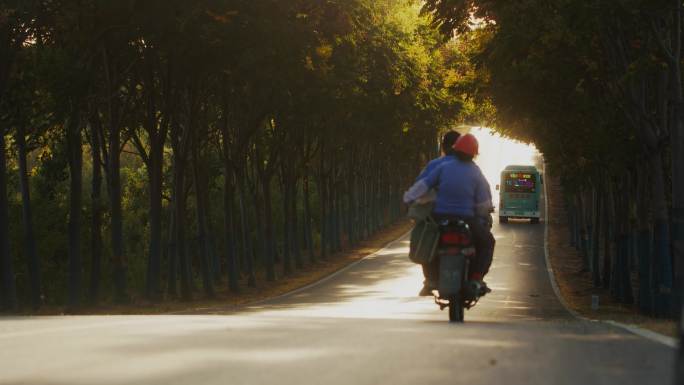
[(451, 272)]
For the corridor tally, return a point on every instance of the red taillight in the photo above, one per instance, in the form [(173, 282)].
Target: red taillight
[(454, 239)]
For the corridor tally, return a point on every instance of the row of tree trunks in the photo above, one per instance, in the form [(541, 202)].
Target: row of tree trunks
[(344, 219), (625, 237)]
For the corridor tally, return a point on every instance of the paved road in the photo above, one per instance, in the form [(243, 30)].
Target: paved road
[(364, 326)]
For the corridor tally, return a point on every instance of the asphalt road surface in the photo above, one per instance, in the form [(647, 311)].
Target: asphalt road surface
[(363, 326)]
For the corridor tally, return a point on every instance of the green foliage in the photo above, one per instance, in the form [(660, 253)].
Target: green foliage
[(345, 94)]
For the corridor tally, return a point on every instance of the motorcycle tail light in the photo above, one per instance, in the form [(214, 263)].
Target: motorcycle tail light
[(454, 239)]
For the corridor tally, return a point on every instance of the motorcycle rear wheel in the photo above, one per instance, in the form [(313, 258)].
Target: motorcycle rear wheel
[(455, 309)]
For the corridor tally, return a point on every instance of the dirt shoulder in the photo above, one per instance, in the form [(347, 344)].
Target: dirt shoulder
[(311, 273), (576, 285)]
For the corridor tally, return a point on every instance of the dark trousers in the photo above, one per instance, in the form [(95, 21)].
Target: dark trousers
[(484, 242)]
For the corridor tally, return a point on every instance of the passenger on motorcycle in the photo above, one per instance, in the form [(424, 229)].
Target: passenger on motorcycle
[(448, 141), (462, 192), (447, 144)]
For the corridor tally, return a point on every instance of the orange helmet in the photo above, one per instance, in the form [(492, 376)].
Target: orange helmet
[(467, 144)]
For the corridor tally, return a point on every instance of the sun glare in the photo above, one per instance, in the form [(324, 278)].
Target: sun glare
[(497, 152)]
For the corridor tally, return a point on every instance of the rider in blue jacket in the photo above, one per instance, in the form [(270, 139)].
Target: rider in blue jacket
[(463, 192)]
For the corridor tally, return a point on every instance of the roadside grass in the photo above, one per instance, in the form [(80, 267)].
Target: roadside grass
[(225, 300), (576, 284)]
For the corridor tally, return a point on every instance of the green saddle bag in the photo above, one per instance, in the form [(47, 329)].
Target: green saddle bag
[(424, 240)]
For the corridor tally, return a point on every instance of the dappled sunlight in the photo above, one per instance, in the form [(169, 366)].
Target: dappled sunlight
[(390, 298), (381, 294), (484, 343), (395, 251)]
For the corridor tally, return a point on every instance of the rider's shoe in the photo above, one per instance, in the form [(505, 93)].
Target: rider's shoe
[(427, 289), (484, 289), (479, 288)]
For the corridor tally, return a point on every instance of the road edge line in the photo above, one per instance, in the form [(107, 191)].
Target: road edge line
[(641, 332), (327, 277)]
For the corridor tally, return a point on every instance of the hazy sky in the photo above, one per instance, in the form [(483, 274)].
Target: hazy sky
[(496, 153)]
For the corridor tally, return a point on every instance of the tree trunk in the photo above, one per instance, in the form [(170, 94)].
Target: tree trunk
[(663, 262), (596, 238), (572, 222), (229, 229), (201, 196), (308, 228), (323, 223), (335, 216), (351, 212), (214, 257), (96, 216), (247, 249), (622, 264), (268, 228), (644, 252), (607, 236), (113, 168), (172, 254), (156, 124), (180, 220), (9, 289), (155, 175), (29, 237), (287, 227), (295, 234), (677, 162), (584, 234), (114, 184), (75, 202)]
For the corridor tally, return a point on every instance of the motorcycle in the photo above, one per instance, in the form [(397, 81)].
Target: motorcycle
[(455, 249)]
